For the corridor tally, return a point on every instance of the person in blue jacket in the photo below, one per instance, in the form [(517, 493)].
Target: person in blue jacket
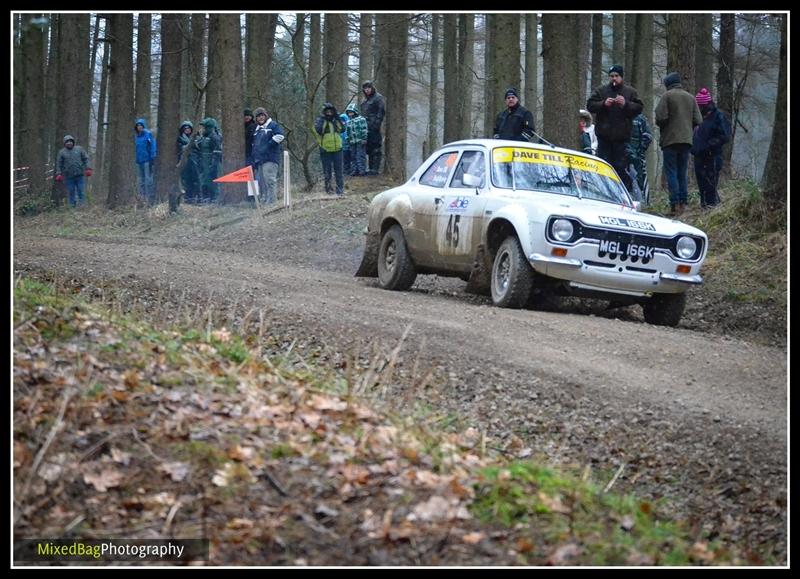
[(709, 137), (145, 156), (267, 141)]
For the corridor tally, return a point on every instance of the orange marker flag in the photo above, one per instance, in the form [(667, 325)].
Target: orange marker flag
[(238, 176)]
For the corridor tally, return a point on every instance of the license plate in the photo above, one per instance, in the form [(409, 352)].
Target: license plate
[(628, 249)]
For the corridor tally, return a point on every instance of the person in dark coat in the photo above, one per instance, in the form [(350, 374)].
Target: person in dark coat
[(267, 155), (189, 172), (249, 131), (709, 137), (373, 108), (677, 114), (72, 165), (209, 147), (615, 105), (515, 123)]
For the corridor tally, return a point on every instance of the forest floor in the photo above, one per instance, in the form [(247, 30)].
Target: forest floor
[(388, 460)]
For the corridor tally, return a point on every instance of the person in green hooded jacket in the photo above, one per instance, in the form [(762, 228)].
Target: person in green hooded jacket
[(209, 147)]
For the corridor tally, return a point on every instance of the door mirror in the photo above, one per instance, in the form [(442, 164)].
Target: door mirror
[(471, 180)]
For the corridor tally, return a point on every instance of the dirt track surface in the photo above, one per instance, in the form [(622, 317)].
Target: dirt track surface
[(698, 419)]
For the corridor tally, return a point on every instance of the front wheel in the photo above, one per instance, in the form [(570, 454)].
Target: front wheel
[(396, 271), (664, 309), (512, 276)]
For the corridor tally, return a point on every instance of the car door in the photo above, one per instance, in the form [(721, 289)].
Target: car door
[(424, 195), (459, 211)]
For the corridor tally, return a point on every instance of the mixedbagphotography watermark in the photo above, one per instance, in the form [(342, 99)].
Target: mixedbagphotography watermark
[(111, 550)]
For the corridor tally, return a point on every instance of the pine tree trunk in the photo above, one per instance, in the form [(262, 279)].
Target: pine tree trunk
[(561, 92), (681, 49), (704, 52), (187, 87), (169, 118), (466, 41), (584, 65), (144, 58), (230, 54), (490, 109), (598, 74), (336, 51), (52, 82), (121, 179), (451, 95), (366, 58), (396, 55), (196, 54), (214, 72), (31, 103), (643, 82), (618, 40), (433, 94), (630, 31), (315, 60), (774, 181), (101, 171), (727, 37), (507, 57), (532, 67), (84, 81)]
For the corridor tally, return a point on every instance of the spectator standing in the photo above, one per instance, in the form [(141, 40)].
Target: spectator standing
[(189, 171), (677, 114), (209, 147), (709, 137), (267, 141), (357, 132), (346, 154), (249, 131), (641, 137), (72, 165), (615, 105), (588, 137), (145, 156), (373, 108), (329, 128), (515, 123)]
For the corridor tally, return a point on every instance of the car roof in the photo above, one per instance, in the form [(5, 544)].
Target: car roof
[(495, 143)]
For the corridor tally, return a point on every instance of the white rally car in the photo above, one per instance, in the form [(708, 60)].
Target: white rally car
[(519, 220)]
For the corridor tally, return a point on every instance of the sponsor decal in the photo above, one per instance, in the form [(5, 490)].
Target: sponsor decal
[(458, 205), (627, 223), (511, 154)]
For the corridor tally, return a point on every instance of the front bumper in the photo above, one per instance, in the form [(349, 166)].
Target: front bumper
[(623, 278)]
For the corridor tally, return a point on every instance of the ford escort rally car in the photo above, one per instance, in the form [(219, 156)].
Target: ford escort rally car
[(519, 221)]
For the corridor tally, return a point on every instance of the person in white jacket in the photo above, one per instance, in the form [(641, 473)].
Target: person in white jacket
[(588, 138)]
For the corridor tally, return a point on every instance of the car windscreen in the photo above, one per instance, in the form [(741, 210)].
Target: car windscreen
[(560, 173)]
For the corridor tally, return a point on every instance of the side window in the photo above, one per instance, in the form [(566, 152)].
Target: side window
[(472, 163), (437, 174)]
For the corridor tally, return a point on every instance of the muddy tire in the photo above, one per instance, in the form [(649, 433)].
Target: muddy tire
[(664, 309), (396, 271), (512, 275)]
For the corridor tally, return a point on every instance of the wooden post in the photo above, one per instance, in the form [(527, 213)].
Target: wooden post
[(287, 197)]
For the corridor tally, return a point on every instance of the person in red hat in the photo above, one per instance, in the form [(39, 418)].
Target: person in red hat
[(709, 137)]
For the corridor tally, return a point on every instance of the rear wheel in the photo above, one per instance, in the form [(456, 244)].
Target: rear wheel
[(664, 309), (396, 271), (512, 276)]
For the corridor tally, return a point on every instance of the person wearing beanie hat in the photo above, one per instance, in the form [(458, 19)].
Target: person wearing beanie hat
[(72, 165), (266, 154), (249, 131), (515, 123), (373, 108), (677, 114), (187, 162), (707, 142), (614, 106), (702, 98)]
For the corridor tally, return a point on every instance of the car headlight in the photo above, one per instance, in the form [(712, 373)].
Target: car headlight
[(562, 229), (686, 247)]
